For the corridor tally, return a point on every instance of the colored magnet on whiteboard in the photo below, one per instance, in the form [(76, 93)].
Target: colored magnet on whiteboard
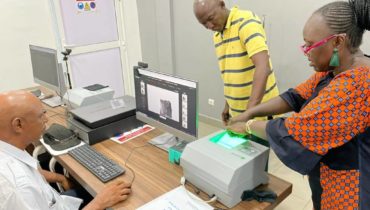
[(92, 5), (87, 6), (80, 5)]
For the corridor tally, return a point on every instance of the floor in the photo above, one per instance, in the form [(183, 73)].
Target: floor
[(299, 199)]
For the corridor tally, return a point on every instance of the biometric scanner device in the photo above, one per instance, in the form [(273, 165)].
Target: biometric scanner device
[(225, 165)]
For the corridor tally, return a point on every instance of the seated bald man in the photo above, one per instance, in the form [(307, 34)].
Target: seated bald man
[(22, 122)]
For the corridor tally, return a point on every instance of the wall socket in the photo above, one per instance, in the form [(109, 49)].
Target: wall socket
[(211, 101)]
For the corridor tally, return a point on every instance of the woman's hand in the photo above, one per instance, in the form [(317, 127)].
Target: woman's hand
[(237, 127)]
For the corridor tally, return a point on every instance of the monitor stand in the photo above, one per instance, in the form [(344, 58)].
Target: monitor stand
[(53, 101), (165, 141)]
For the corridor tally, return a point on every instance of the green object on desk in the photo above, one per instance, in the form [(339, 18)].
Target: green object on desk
[(175, 152)]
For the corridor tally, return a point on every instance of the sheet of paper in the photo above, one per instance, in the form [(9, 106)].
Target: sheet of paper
[(177, 199)]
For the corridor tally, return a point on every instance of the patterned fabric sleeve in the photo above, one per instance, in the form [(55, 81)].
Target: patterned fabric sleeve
[(294, 100), (306, 88), (289, 151), (336, 115)]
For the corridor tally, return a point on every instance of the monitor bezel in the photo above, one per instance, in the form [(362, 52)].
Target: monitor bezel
[(60, 89)]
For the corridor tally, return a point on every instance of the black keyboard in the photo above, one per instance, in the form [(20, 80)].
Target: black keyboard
[(102, 167)]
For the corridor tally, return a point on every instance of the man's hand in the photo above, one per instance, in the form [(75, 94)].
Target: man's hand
[(225, 115), (112, 194), (237, 127), (243, 117), (52, 177), (66, 183)]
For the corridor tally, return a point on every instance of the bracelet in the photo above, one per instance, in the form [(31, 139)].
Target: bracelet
[(247, 126)]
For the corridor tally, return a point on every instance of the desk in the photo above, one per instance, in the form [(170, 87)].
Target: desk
[(154, 175)]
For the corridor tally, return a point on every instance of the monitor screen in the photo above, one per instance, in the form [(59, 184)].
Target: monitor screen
[(45, 67), (167, 102)]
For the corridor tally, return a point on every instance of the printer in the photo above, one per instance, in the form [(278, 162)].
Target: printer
[(224, 165), (103, 120)]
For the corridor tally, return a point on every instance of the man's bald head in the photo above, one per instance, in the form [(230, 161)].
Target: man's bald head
[(20, 121), (212, 14)]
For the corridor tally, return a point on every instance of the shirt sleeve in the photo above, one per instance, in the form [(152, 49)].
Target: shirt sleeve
[(253, 36), (307, 88), (294, 100), (288, 150)]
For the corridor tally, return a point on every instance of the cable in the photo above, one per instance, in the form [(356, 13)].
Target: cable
[(194, 197), (128, 158), (133, 150), (55, 113)]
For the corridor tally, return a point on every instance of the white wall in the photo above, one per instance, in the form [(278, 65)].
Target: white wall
[(193, 51), (131, 30), (284, 25), (22, 23), (27, 22)]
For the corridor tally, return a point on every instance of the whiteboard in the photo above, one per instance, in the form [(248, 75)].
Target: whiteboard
[(102, 67), (88, 21)]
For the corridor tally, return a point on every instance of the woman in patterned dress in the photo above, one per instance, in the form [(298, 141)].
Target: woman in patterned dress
[(328, 136)]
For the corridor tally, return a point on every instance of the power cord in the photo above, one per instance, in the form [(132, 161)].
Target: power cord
[(194, 197), (197, 191), (128, 158), (56, 113), (133, 150)]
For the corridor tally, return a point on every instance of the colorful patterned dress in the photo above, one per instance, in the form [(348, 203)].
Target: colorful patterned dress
[(323, 138)]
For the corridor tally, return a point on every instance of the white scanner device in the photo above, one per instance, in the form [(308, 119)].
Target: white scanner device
[(224, 165)]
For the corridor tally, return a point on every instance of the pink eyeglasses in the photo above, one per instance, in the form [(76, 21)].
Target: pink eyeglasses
[(307, 49)]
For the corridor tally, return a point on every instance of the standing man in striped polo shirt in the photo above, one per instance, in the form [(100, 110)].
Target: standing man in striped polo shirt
[(243, 56)]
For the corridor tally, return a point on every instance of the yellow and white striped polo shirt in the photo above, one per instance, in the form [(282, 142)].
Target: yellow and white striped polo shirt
[(242, 38)]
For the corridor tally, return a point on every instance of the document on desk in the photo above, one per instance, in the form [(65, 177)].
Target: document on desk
[(176, 199), (127, 136)]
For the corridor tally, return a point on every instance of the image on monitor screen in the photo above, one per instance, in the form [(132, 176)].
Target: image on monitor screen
[(167, 102), (162, 102)]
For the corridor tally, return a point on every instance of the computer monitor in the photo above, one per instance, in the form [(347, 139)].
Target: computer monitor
[(167, 102), (46, 69)]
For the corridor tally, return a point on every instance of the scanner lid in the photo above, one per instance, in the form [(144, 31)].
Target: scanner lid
[(105, 112)]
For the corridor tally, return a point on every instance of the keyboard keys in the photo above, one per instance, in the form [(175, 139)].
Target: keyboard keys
[(102, 167)]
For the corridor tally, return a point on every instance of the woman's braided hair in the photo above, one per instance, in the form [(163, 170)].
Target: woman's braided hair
[(351, 18)]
